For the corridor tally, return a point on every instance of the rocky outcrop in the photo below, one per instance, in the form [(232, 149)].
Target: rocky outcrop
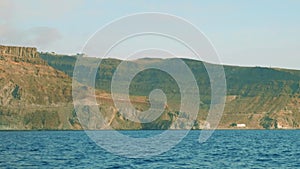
[(20, 54), (24, 52)]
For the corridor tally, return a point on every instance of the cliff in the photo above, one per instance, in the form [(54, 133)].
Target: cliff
[(33, 95), (20, 54)]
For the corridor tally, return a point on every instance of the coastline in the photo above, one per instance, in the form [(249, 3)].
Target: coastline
[(219, 129)]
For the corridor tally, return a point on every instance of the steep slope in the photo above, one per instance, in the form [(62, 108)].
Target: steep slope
[(258, 97), (33, 95)]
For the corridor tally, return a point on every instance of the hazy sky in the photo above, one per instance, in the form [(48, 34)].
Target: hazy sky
[(256, 32)]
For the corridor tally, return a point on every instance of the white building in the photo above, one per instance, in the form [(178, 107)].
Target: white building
[(240, 125)]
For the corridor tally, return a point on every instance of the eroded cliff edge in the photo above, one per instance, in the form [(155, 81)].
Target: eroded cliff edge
[(33, 95)]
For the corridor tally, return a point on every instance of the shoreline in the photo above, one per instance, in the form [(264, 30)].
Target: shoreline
[(38, 130)]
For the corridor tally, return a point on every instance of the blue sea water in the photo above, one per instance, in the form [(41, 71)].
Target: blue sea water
[(225, 149)]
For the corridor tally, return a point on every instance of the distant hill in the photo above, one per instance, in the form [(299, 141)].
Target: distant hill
[(36, 93), (256, 96)]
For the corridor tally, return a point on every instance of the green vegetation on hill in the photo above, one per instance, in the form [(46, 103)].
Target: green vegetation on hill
[(36, 93), (255, 94), (244, 81)]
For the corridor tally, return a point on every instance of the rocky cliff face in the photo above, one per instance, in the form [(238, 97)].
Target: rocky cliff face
[(20, 54), (15, 51), (33, 95)]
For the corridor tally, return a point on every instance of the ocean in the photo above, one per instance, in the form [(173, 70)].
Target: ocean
[(225, 149)]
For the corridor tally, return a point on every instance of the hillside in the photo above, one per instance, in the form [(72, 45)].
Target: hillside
[(33, 95), (36, 93), (256, 96), (36, 96)]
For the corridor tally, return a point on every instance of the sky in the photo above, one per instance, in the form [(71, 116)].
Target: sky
[(245, 33)]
